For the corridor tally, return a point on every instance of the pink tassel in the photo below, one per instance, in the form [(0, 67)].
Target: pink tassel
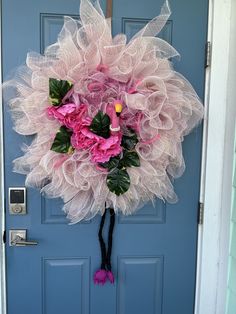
[(100, 277), (110, 276)]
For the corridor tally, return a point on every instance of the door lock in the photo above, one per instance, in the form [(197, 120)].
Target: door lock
[(18, 238), (17, 201)]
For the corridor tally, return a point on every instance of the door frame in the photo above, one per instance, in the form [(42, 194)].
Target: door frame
[(217, 161), (215, 191)]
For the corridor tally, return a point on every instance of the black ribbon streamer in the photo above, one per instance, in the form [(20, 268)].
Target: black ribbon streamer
[(106, 255)]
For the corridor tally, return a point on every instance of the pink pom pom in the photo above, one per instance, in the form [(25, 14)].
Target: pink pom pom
[(110, 276), (100, 277)]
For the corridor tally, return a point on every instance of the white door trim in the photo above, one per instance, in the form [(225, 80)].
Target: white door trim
[(216, 178), (217, 162)]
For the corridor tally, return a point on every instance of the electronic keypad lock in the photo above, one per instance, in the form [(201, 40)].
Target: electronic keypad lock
[(17, 200)]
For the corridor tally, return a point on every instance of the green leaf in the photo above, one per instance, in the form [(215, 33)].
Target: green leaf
[(129, 140), (100, 124), (112, 163), (57, 90), (118, 181), (61, 143), (130, 159)]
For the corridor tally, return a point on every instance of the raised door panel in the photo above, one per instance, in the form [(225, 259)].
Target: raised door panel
[(140, 285), (50, 26), (66, 285)]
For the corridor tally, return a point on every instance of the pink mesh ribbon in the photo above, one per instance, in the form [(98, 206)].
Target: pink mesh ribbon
[(158, 103)]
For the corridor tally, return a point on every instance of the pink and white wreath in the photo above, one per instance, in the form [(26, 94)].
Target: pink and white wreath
[(108, 116)]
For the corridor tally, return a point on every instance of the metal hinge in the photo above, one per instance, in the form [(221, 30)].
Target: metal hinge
[(4, 236), (208, 54), (200, 213)]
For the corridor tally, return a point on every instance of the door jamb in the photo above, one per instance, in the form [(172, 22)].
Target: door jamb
[(217, 163), (215, 185)]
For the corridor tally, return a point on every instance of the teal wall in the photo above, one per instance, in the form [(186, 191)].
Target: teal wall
[(231, 299)]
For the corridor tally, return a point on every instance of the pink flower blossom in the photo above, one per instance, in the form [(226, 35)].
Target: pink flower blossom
[(52, 113), (70, 114), (76, 118), (104, 149), (67, 109), (101, 149), (60, 112), (83, 138)]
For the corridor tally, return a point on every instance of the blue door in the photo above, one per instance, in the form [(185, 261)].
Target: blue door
[(154, 256)]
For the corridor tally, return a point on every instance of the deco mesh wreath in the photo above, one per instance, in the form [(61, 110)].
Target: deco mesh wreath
[(108, 117)]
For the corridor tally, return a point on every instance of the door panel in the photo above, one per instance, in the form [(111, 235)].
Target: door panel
[(154, 251), (60, 273), (146, 272)]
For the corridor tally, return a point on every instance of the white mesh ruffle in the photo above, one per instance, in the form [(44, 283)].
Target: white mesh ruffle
[(167, 102)]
